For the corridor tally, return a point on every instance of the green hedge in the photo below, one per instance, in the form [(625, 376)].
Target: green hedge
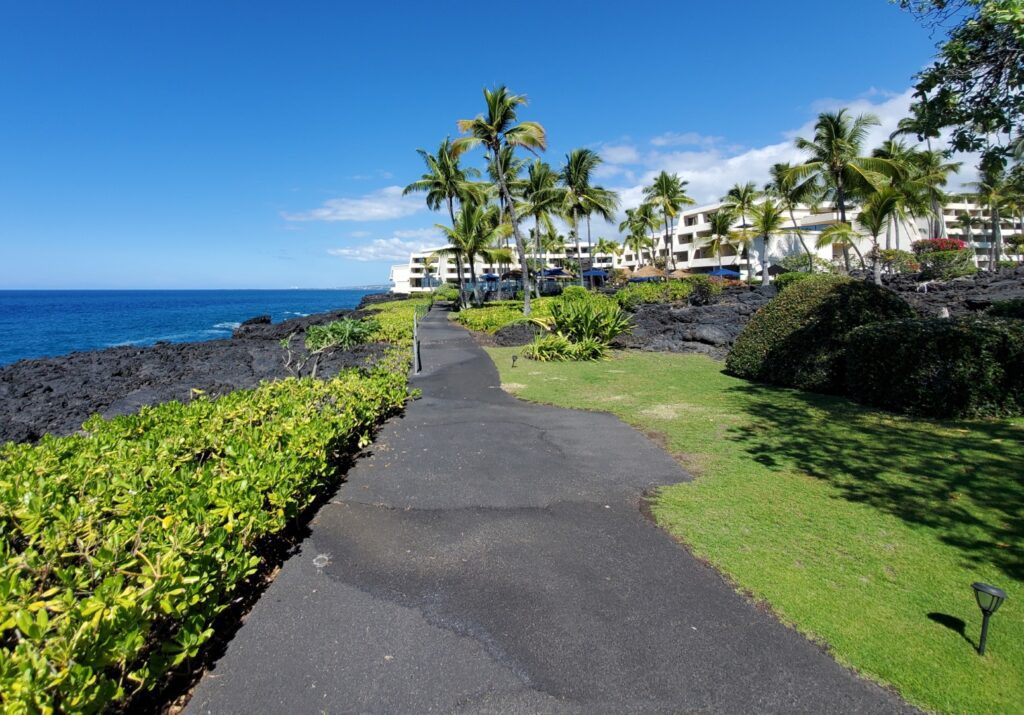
[(971, 367), (799, 338), (122, 544), (696, 289), (1013, 308), (785, 280)]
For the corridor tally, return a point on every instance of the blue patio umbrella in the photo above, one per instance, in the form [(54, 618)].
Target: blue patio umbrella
[(489, 277), (725, 273), (594, 273), (645, 279)]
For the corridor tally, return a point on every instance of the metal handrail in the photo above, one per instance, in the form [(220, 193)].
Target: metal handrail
[(417, 364)]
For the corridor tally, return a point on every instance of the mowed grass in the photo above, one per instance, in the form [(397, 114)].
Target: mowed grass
[(861, 528)]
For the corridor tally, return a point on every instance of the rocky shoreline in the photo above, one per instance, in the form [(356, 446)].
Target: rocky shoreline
[(55, 395)]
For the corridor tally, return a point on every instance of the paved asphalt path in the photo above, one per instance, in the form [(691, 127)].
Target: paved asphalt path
[(490, 557)]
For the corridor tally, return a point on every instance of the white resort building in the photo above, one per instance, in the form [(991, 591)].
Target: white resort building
[(691, 251)]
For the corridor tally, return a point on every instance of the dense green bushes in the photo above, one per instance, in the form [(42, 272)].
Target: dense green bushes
[(971, 367), (944, 258), (122, 544), (783, 281), (698, 290), (1013, 308), (799, 338), (582, 325), (492, 317), (447, 292), (342, 333)]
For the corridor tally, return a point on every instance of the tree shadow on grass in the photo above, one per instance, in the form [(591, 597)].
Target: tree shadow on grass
[(960, 479)]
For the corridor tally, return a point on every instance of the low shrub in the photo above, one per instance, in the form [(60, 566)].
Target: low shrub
[(496, 315), (342, 333), (447, 292), (781, 282), (1013, 308), (799, 338), (394, 319), (970, 367), (636, 294), (703, 289), (587, 316), (798, 262), (575, 291), (897, 261), (122, 544), (946, 265), (557, 348), (937, 245), (549, 348), (1007, 264)]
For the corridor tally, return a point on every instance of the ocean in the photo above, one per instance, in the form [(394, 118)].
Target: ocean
[(56, 322)]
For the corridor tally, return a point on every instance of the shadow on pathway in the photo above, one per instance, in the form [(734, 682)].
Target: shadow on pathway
[(490, 557)]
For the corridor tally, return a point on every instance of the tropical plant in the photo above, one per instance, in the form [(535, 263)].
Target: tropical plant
[(590, 316), (843, 237), (993, 191), (793, 195), (637, 223), (542, 198), (476, 231), (342, 333), (740, 198), (607, 247), (494, 130), (967, 224), (445, 183), (834, 159), (878, 211), (768, 220), (668, 193), (582, 199), (721, 222)]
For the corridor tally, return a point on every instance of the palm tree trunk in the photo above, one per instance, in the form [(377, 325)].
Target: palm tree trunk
[(458, 258), (997, 238), (472, 275), (590, 254), (878, 261), (807, 250), (940, 220), (766, 278), (520, 247)]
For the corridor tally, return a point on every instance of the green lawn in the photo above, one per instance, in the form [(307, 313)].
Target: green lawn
[(862, 528)]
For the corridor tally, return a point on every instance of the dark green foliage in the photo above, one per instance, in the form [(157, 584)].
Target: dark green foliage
[(799, 338), (946, 265), (583, 316), (785, 280), (558, 348), (1013, 308), (896, 261), (447, 292), (575, 291), (971, 367), (703, 289)]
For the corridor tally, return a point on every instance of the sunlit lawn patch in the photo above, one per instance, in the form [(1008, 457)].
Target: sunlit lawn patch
[(863, 528)]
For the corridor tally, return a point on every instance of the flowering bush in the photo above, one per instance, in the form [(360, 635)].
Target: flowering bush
[(931, 245)]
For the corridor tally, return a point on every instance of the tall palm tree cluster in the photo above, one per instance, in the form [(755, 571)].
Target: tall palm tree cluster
[(890, 186), (519, 200)]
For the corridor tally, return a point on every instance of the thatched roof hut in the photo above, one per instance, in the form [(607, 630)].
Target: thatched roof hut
[(648, 272)]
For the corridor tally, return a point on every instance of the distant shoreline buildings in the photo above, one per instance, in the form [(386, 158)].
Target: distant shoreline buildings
[(691, 251)]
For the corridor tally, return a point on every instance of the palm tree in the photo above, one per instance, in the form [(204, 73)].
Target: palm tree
[(741, 199), (793, 195), (637, 223), (968, 223), (541, 198), (994, 191), (841, 235), (606, 247), (768, 219), (477, 230), (497, 129), (721, 222), (429, 264), (834, 158), (446, 182), (931, 172), (668, 193), (580, 198), (880, 210)]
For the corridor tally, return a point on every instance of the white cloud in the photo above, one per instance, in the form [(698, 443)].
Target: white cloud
[(684, 139), (381, 205), (619, 154), (396, 248)]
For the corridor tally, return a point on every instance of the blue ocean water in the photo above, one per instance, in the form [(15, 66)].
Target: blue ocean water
[(47, 323)]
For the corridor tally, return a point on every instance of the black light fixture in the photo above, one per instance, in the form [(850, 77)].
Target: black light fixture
[(514, 358), (989, 599)]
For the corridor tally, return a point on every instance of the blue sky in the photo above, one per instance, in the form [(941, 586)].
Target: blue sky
[(252, 144)]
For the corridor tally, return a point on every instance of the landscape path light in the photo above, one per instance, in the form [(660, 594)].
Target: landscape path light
[(989, 599)]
